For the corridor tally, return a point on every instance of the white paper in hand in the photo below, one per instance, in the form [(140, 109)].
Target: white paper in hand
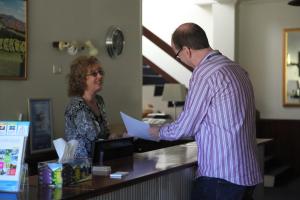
[(136, 128)]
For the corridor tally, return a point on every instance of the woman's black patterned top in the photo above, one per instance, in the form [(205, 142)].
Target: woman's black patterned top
[(84, 126)]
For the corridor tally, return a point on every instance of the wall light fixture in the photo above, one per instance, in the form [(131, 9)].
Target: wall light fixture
[(75, 47)]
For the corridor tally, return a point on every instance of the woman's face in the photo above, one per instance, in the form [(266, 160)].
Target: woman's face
[(94, 79)]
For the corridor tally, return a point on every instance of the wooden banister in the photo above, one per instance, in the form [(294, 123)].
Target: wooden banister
[(158, 70)]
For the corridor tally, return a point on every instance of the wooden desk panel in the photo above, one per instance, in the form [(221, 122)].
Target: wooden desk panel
[(164, 174), (142, 167)]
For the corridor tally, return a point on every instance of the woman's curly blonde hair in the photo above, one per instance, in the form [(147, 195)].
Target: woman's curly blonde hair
[(78, 71)]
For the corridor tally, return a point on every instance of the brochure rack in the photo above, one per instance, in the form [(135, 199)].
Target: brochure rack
[(13, 171)]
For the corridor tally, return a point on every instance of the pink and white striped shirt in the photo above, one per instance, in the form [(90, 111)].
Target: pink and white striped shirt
[(219, 112)]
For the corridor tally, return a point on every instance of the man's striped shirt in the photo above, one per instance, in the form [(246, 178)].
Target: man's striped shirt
[(219, 112)]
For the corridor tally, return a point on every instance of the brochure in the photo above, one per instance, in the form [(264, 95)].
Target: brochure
[(13, 136), (118, 174)]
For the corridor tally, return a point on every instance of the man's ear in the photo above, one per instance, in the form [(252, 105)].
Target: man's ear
[(188, 52)]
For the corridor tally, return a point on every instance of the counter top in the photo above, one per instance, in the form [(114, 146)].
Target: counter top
[(141, 166)]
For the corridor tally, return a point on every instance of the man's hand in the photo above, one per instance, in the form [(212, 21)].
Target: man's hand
[(154, 132)]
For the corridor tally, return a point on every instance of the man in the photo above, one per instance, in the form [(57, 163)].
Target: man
[(219, 112)]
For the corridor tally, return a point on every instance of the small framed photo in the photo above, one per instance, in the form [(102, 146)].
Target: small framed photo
[(41, 132)]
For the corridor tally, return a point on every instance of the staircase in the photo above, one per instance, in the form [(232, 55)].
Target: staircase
[(160, 57), (150, 77), (275, 172)]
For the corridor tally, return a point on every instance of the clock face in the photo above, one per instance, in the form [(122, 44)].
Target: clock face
[(114, 41)]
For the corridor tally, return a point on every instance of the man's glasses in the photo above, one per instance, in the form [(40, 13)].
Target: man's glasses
[(177, 54), (95, 73)]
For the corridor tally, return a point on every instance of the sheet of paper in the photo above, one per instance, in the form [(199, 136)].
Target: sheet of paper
[(65, 150), (136, 128), (60, 145)]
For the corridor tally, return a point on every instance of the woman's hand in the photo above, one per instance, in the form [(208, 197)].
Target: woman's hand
[(113, 136), (125, 134)]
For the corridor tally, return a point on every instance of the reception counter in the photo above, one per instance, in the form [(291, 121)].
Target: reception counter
[(160, 174)]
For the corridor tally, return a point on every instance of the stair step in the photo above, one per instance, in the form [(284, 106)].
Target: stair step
[(271, 163), (278, 170), (273, 177), (149, 71), (269, 181), (268, 158), (153, 80)]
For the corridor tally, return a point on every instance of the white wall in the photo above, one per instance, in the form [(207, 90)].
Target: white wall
[(163, 17), (78, 20), (224, 28), (260, 46), (217, 20)]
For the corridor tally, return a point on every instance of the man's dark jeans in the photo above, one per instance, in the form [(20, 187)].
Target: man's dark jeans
[(206, 188)]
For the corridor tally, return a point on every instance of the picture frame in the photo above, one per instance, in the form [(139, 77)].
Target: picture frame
[(41, 129), (291, 67), (13, 40)]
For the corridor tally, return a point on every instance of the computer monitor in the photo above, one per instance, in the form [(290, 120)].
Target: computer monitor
[(104, 150)]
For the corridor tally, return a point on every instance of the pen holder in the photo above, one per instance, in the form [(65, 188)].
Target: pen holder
[(56, 174)]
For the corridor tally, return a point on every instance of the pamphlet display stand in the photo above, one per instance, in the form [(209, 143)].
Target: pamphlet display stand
[(13, 171)]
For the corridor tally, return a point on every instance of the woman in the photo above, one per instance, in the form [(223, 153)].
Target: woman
[(85, 117)]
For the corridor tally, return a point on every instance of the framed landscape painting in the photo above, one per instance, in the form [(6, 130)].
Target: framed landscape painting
[(13, 39)]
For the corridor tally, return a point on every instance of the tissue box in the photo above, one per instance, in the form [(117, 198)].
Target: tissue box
[(56, 174)]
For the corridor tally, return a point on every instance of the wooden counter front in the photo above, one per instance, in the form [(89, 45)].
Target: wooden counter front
[(164, 174), (160, 174)]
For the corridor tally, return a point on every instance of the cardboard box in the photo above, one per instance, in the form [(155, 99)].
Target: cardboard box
[(56, 174)]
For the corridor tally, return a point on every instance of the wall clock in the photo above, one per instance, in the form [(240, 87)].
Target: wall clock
[(115, 41)]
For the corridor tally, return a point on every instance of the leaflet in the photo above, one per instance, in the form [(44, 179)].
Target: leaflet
[(118, 174), (136, 128), (12, 147)]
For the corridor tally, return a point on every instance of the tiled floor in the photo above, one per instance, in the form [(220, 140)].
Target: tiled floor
[(287, 191)]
